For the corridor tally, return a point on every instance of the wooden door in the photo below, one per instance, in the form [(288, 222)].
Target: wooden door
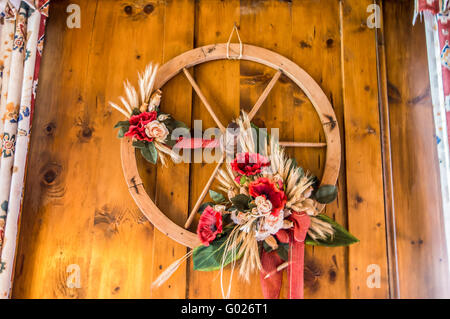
[(77, 209)]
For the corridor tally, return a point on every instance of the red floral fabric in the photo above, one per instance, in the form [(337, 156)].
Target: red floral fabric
[(440, 8)]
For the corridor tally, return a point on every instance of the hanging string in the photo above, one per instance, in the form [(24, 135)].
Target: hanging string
[(229, 57)]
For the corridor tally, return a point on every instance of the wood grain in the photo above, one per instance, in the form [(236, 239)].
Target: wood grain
[(172, 193), (77, 208), (317, 48), (255, 78), (422, 256), (266, 58), (365, 193), (219, 82), (59, 233), (391, 231), (116, 30)]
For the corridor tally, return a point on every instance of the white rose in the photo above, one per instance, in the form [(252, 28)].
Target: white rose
[(259, 200), (157, 130), (264, 206), (273, 223), (270, 225)]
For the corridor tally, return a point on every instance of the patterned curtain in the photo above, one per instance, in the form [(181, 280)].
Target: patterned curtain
[(441, 10), (22, 25), (436, 17)]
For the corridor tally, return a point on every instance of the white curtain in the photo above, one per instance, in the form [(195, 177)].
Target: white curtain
[(22, 26)]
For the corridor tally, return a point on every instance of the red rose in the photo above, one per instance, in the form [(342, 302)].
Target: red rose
[(137, 126), (249, 163), (264, 187), (209, 226)]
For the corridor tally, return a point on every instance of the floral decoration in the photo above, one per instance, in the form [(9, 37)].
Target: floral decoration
[(148, 128), (269, 205), (249, 164), (8, 145), (210, 225)]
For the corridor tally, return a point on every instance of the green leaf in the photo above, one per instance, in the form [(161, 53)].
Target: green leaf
[(326, 194), (135, 111), (122, 124), (241, 202), (341, 236), (267, 247), (170, 142), (122, 131), (243, 180), (178, 124), (283, 251), (150, 153), (139, 144), (216, 197), (209, 258), (172, 124), (203, 207)]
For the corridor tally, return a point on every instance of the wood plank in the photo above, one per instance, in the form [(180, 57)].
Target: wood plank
[(219, 83), (173, 197), (77, 207), (422, 255), (365, 195), (317, 49), (52, 236), (118, 243), (108, 230), (256, 23), (391, 236), (254, 78)]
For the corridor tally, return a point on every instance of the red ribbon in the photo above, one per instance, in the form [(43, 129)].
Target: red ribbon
[(295, 236)]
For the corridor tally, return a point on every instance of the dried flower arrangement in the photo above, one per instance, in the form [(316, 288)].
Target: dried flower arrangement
[(147, 126), (265, 209)]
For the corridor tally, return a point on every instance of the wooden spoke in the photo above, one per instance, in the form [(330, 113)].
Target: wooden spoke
[(203, 98), (203, 194), (259, 55), (264, 95), (302, 144)]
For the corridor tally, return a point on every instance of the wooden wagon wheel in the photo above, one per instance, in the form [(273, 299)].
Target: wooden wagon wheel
[(250, 53)]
